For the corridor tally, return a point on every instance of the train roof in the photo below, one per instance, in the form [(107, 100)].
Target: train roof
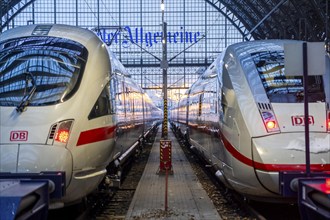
[(84, 36), (249, 47)]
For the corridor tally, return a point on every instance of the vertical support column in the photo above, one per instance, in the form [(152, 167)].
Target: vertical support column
[(327, 42), (326, 19), (164, 66), (98, 14), (33, 13), (306, 109), (120, 40), (55, 12), (165, 144), (77, 17)]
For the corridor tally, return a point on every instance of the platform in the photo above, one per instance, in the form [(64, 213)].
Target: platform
[(186, 197)]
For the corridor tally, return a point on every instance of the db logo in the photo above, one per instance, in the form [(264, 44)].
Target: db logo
[(18, 136), (299, 120)]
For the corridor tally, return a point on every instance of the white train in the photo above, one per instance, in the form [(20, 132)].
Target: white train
[(67, 104), (246, 117)]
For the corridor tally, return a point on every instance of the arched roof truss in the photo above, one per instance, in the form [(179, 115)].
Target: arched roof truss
[(10, 8), (258, 19)]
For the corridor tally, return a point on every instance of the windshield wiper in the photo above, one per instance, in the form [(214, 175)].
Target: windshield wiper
[(27, 97)]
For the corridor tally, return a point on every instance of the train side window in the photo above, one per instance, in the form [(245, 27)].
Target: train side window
[(227, 100), (133, 104), (200, 105), (127, 101), (113, 91), (102, 105)]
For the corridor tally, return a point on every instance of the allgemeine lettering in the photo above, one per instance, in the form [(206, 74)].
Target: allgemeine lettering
[(139, 36)]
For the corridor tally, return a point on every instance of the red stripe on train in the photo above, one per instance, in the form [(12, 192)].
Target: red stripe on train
[(271, 167), (95, 135)]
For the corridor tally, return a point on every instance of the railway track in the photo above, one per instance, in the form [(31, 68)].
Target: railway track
[(116, 207), (114, 203)]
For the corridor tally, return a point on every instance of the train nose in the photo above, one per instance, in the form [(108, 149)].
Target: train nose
[(24, 146), (8, 158), (29, 158), (286, 152)]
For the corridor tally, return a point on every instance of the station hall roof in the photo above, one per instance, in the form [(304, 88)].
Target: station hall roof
[(260, 19)]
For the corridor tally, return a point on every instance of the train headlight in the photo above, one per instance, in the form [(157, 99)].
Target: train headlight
[(269, 120), (327, 182), (62, 136), (271, 124), (60, 132)]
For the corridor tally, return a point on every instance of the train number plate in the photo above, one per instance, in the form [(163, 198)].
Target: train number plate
[(18, 136), (299, 120)]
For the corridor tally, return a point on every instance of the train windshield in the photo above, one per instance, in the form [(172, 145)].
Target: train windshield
[(281, 88), (39, 70)]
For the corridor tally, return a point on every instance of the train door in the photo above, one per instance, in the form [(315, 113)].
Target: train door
[(187, 110), (143, 112), (120, 100), (113, 91), (200, 119), (228, 131), (212, 122)]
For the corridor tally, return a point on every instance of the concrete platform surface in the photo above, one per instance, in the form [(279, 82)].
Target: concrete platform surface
[(187, 200)]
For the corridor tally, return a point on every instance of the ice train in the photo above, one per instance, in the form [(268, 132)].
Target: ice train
[(67, 104), (245, 116)]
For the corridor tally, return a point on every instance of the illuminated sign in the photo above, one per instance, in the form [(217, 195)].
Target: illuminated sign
[(140, 36)]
